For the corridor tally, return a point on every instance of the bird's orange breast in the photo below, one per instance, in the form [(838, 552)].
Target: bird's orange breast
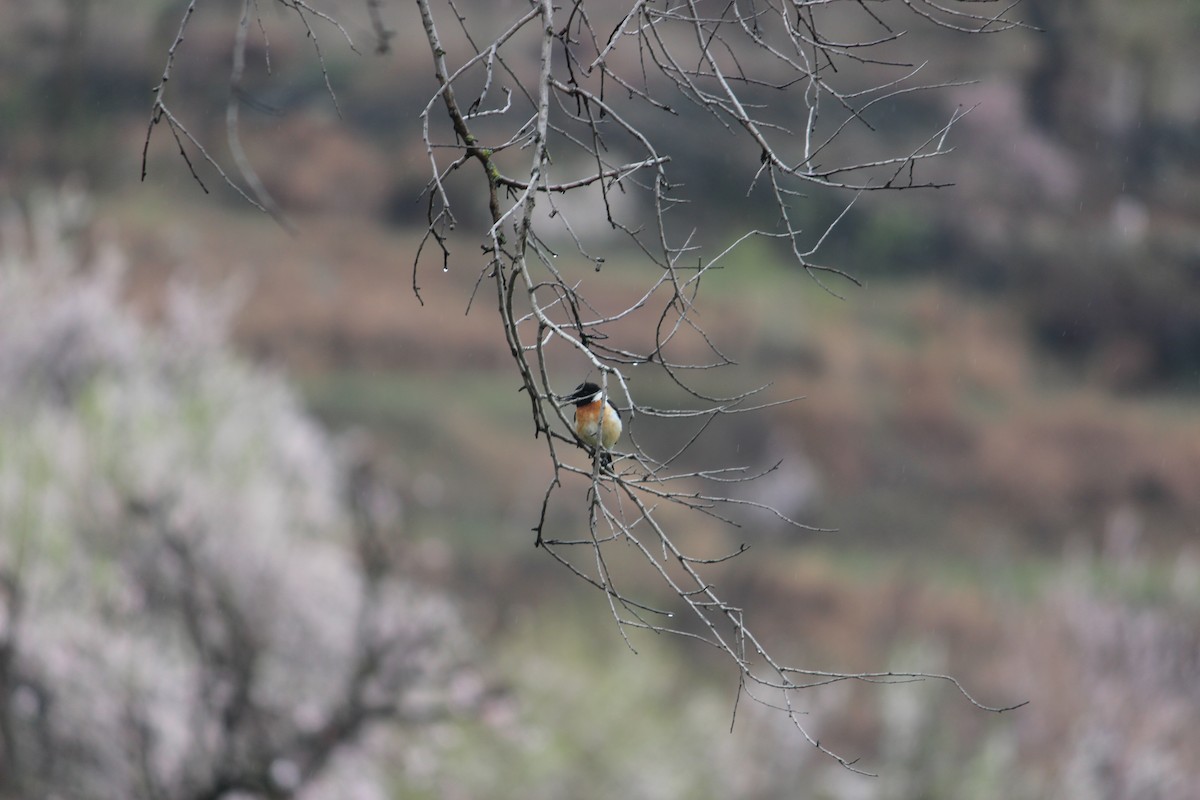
[(598, 425)]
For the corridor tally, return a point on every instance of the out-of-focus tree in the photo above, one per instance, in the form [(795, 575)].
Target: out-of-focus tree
[(1092, 234), (195, 599)]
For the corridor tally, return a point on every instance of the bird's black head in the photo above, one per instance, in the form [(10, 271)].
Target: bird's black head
[(583, 393)]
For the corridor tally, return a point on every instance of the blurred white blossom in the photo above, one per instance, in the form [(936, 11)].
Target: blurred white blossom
[(184, 608)]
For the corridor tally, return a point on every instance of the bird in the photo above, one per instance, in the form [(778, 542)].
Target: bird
[(597, 422)]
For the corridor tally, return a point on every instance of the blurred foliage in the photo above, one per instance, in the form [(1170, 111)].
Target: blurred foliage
[(187, 605), (1080, 135), (584, 717)]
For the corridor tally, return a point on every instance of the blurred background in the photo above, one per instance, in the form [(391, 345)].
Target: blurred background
[(1003, 424)]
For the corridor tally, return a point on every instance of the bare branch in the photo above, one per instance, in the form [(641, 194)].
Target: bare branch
[(586, 91)]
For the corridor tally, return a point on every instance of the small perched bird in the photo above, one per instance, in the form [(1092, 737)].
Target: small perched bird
[(597, 422)]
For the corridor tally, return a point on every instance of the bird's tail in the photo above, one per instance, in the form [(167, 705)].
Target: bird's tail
[(605, 460)]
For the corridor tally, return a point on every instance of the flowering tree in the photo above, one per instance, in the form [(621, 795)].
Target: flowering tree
[(193, 599)]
